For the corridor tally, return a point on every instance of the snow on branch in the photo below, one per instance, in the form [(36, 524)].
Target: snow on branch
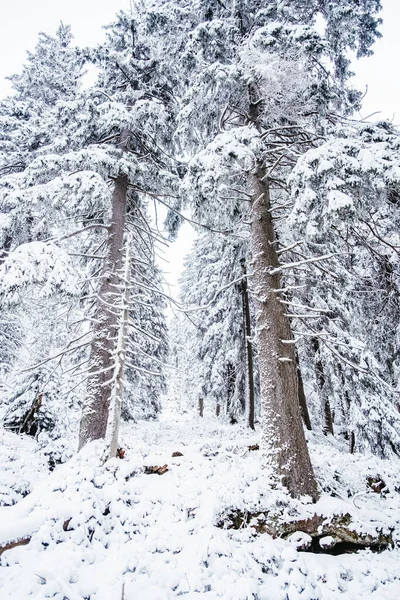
[(217, 293), (37, 263), (293, 265)]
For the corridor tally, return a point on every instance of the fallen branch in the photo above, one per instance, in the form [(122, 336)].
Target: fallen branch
[(154, 470), (12, 545)]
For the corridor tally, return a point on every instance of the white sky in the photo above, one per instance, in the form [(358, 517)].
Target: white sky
[(22, 20)]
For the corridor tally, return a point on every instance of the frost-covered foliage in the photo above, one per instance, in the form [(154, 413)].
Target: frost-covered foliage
[(147, 342), (184, 384), (346, 203), (271, 116), (36, 274), (56, 196), (212, 281)]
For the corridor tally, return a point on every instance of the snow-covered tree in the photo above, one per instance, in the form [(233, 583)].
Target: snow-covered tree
[(184, 383), (147, 343), (346, 204), (79, 183), (35, 274), (212, 265), (135, 113), (266, 76)]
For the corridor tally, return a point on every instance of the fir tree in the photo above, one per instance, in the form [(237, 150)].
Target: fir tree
[(346, 204), (212, 265), (273, 95)]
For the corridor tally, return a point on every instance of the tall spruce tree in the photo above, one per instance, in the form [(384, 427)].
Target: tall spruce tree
[(97, 146), (266, 76), (36, 276)]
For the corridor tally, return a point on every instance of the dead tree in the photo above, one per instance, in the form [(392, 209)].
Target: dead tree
[(94, 419)]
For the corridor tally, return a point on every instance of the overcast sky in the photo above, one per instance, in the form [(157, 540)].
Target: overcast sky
[(22, 20)]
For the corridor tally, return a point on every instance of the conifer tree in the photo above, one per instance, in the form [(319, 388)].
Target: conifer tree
[(97, 154), (216, 308), (258, 73), (345, 197)]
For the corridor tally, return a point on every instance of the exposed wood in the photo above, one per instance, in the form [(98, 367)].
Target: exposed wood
[(28, 424), (201, 407), (120, 453), (155, 470), (320, 376), (4, 251), (66, 526), (12, 545), (317, 526), (352, 444), (302, 398)]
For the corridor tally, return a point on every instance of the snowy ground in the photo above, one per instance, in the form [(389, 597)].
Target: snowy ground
[(115, 533)]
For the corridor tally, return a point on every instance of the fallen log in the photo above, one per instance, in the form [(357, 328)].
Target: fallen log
[(318, 527), (12, 545), (154, 470)]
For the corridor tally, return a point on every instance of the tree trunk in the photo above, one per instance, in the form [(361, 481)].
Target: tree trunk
[(95, 413), (249, 346), (4, 251), (283, 439), (201, 407), (326, 406), (302, 398)]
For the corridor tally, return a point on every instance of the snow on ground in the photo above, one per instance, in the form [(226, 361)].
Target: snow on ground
[(115, 533)]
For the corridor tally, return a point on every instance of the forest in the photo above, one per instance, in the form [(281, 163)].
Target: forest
[(239, 439)]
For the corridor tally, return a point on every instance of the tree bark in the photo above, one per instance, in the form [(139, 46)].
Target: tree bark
[(4, 251), (95, 413), (283, 439), (326, 406), (249, 347), (302, 398), (201, 407)]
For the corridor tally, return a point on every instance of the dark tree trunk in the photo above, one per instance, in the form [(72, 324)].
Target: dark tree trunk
[(302, 398), (352, 442), (201, 407), (249, 346), (283, 440), (4, 251), (95, 413), (326, 407)]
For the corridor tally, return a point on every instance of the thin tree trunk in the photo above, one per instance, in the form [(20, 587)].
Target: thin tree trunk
[(326, 406), (302, 398), (114, 415), (95, 413), (283, 439), (201, 407), (249, 346)]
